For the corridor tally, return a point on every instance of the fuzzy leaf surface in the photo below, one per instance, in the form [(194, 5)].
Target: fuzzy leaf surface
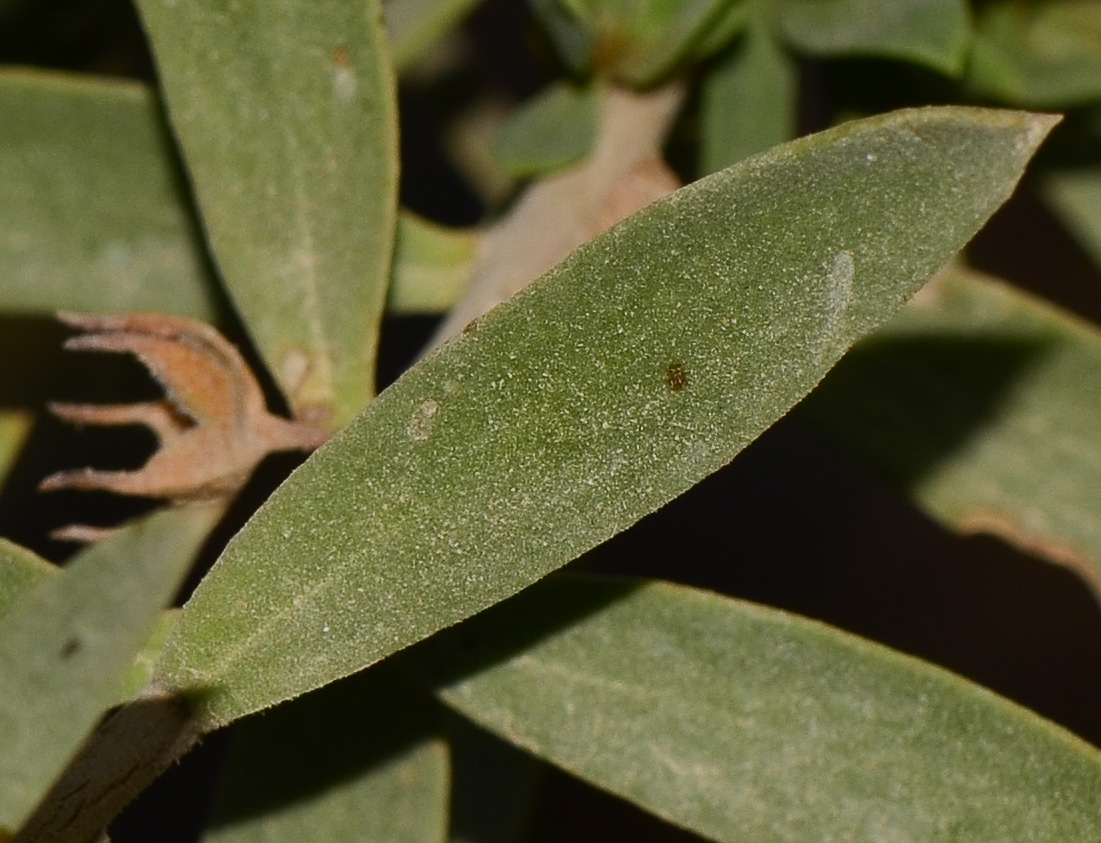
[(642, 363), (285, 113), (983, 403), (66, 645), (94, 212), (741, 722), (20, 570), (935, 33), (361, 760)]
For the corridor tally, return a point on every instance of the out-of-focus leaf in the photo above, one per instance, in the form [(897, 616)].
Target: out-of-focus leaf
[(20, 570), (556, 128), (285, 113), (357, 761), (1043, 55), (983, 403), (67, 644), (94, 213), (935, 33), (432, 265), (494, 786), (635, 43), (1075, 195), (641, 364), (749, 100), (746, 723), (414, 26), (14, 427)]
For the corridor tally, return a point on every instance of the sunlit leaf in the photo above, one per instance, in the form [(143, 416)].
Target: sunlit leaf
[(640, 365), (935, 33), (355, 762), (745, 723), (1044, 55), (554, 129), (982, 402), (94, 213), (414, 26), (749, 100), (14, 427), (285, 114), (67, 643)]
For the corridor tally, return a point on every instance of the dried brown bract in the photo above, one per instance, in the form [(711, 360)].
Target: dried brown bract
[(212, 424)]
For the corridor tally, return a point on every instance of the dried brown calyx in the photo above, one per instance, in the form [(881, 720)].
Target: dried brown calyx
[(212, 424)]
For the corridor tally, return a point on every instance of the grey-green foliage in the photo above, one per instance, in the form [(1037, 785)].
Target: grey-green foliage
[(745, 723), (641, 364), (67, 642), (94, 211), (285, 115)]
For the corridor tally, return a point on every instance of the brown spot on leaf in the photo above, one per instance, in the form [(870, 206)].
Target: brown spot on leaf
[(676, 377), (341, 58), (71, 647), (212, 424)]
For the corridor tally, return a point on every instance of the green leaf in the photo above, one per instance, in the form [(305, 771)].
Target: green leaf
[(1044, 55), (357, 761), (93, 209), (20, 570), (748, 101), (1075, 196), (140, 673), (66, 645), (935, 33), (979, 400), (432, 265), (741, 722), (635, 43), (414, 26), (553, 129), (285, 113), (15, 425), (638, 366)]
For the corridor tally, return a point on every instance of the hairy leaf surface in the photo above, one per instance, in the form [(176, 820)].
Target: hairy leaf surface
[(638, 366), (746, 723), (94, 213), (68, 641), (285, 113)]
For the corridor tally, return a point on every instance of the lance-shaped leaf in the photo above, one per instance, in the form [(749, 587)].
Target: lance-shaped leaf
[(212, 424), (361, 760), (432, 266), (749, 99), (285, 113), (553, 129), (638, 366), (983, 403), (67, 643), (94, 212), (746, 723), (935, 33)]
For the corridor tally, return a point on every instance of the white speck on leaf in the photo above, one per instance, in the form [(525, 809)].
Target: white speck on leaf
[(424, 419)]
